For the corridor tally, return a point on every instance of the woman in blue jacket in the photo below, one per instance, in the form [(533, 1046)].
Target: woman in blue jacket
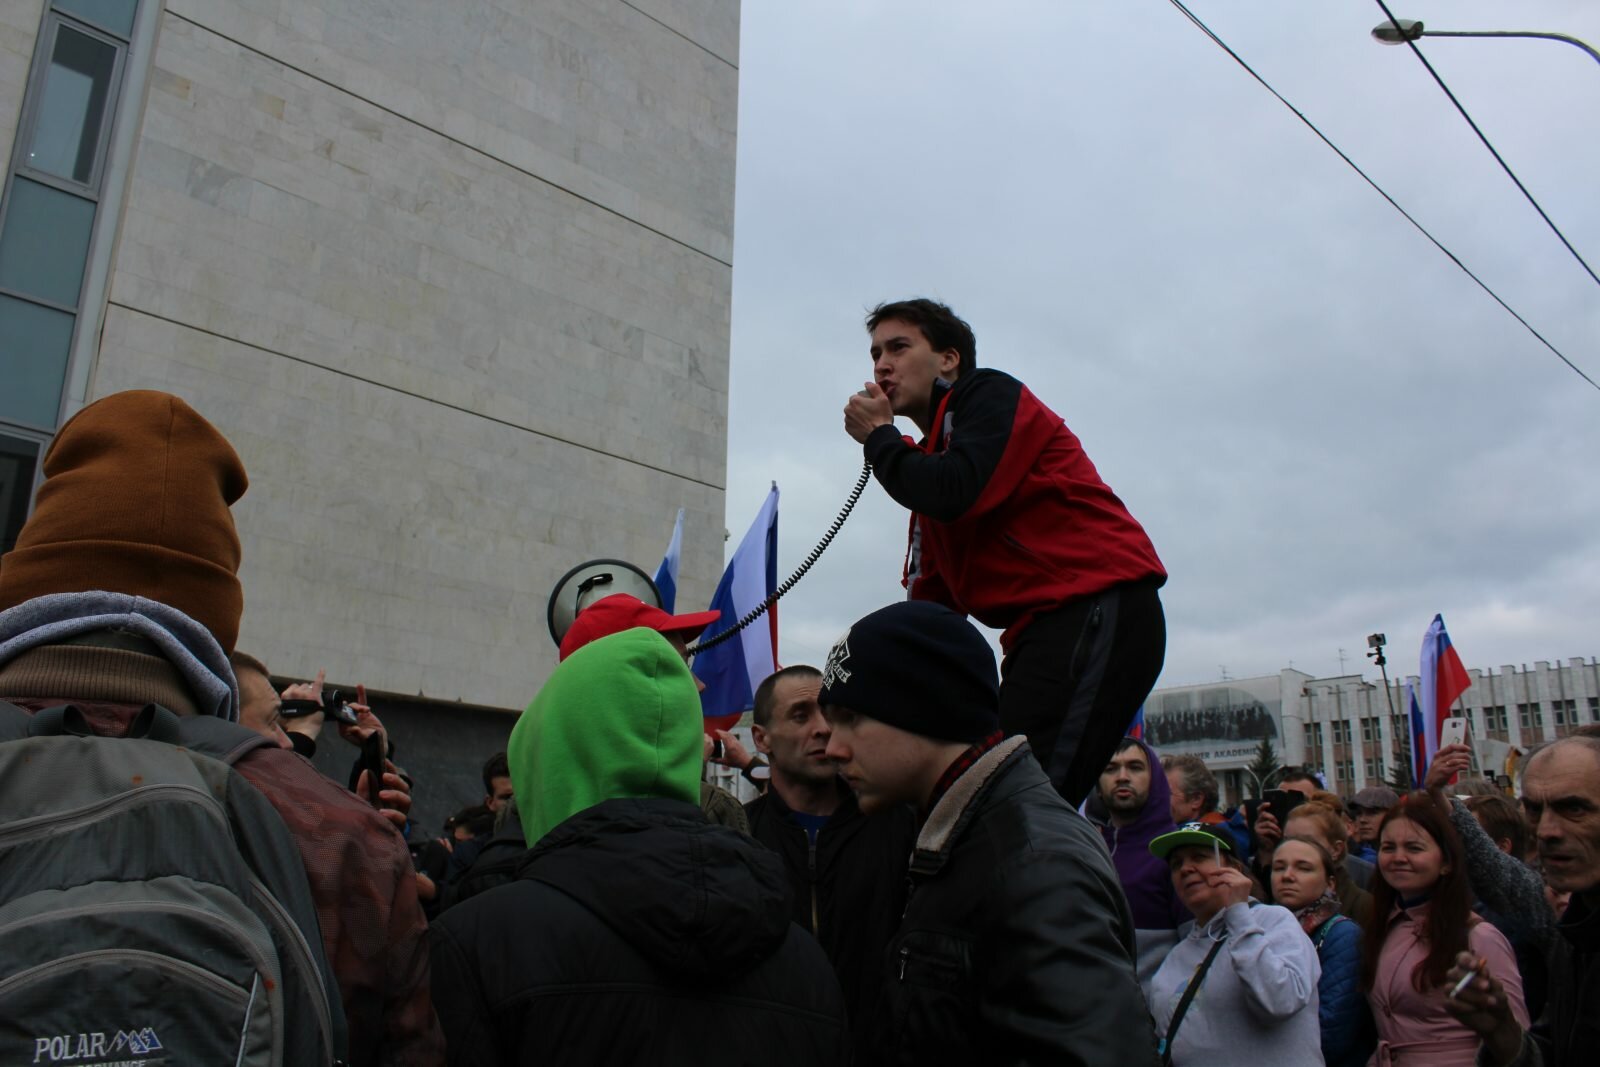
[(1305, 880)]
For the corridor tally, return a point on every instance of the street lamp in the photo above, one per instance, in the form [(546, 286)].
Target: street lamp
[(1260, 783), (1401, 31)]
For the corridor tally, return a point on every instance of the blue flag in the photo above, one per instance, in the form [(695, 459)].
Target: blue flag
[(667, 573)]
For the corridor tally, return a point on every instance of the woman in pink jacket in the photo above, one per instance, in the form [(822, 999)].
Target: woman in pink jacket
[(1422, 917)]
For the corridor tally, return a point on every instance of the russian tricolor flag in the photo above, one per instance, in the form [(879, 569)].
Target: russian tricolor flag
[(1136, 728), (732, 670), (667, 573), (1443, 680)]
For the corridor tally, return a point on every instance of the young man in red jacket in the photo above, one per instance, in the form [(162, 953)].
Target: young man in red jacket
[(1012, 525)]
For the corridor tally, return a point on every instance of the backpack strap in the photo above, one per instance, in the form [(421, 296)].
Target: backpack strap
[(1327, 928), (13, 722), (1189, 994), (61, 721), (66, 720), (218, 738)]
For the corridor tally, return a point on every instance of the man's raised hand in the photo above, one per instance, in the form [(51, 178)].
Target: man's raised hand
[(866, 411)]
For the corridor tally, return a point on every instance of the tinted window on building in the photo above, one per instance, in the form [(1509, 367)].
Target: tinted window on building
[(72, 106), (18, 459), (113, 15)]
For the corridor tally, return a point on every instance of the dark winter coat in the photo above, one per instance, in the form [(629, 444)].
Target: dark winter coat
[(1016, 946), (636, 932), (495, 864), (1347, 1033), (1569, 1031), (849, 889)]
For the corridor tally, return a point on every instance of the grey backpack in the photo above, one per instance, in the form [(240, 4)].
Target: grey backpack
[(153, 907)]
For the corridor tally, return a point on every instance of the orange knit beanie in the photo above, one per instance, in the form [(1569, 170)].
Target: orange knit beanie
[(135, 500)]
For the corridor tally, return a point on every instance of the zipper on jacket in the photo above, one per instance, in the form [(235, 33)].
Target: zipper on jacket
[(59, 822), (811, 874), (905, 954)]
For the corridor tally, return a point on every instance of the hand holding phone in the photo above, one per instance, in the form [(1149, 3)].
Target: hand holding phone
[(372, 760), (1284, 801)]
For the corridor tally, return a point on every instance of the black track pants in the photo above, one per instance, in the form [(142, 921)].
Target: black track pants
[(1074, 679)]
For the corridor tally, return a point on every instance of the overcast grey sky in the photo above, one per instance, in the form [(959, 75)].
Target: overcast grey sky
[(1326, 428)]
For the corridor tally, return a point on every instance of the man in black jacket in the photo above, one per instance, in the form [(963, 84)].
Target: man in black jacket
[(1017, 944), (636, 931), (848, 870), (1561, 796)]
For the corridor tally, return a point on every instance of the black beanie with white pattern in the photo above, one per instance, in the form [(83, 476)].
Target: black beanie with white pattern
[(918, 666)]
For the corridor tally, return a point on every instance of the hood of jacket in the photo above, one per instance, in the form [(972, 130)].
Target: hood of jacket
[(696, 898), (619, 718), (1145, 879), (187, 645)]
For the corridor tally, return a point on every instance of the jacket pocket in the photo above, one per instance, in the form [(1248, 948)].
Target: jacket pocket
[(1028, 560), (932, 999)]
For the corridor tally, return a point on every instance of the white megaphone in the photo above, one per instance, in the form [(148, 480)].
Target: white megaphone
[(588, 582)]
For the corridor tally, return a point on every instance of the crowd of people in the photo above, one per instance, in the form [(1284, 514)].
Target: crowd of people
[(916, 883)]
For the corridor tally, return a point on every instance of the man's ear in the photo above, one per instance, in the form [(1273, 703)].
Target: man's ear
[(949, 362), (758, 734)]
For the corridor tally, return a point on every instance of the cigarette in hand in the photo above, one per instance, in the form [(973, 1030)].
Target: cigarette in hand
[(1466, 979)]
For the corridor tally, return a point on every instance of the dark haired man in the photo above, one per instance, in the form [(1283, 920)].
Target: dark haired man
[(496, 782), (1012, 525), (1269, 824), (1134, 796), (1016, 945), (848, 870)]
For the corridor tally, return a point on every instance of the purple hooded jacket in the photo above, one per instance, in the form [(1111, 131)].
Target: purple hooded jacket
[(1145, 880)]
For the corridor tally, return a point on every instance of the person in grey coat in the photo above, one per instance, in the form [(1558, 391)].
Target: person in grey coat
[(1257, 997)]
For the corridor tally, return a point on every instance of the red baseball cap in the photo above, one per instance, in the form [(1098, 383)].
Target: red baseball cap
[(619, 612)]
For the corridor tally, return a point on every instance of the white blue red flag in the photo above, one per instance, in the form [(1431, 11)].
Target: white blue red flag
[(1443, 678), (667, 573), (732, 671), (1136, 728)]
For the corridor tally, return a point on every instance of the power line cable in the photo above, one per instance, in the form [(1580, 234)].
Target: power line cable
[(1220, 43), (1497, 157)]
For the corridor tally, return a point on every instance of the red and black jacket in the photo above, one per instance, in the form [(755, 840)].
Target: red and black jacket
[(1009, 517)]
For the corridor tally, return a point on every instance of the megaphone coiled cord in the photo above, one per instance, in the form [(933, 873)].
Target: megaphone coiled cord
[(799, 572)]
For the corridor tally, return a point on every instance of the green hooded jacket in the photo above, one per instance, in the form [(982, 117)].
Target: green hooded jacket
[(619, 718)]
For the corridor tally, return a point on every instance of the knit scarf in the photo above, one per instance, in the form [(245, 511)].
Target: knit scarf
[(1318, 911)]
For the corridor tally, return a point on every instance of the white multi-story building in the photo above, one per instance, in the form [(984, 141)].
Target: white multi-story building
[(1345, 728), (455, 279)]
